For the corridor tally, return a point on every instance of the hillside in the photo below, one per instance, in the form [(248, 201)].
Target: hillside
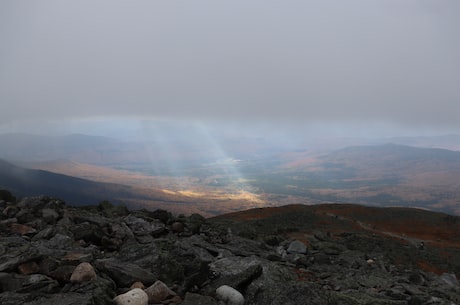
[(407, 225), (143, 193), (77, 191), (385, 175)]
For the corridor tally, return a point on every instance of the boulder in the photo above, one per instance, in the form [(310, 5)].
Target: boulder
[(22, 229), (197, 299), (60, 241), (16, 257), (177, 227), (62, 273), (135, 296), (124, 274), (137, 284), (28, 268), (229, 295), (236, 271), (50, 215), (159, 292), (140, 226), (297, 246), (450, 279), (83, 272)]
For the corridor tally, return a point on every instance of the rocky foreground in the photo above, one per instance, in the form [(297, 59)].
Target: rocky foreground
[(51, 253)]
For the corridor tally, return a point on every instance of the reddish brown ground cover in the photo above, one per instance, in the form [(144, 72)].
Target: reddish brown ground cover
[(406, 226)]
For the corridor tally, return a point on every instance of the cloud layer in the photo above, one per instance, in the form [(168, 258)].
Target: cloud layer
[(390, 61)]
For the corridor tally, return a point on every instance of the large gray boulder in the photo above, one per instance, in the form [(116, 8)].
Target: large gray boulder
[(124, 274)]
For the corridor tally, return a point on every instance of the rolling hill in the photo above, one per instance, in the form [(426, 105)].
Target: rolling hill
[(190, 180), (436, 234), (29, 182), (388, 175)]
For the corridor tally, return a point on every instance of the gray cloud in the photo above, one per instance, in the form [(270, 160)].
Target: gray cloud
[(390, 61)]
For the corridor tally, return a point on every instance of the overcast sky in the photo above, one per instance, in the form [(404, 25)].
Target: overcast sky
[(392, 62)]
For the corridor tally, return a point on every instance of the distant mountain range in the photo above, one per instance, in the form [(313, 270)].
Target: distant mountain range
[(85, 170), (99, 150), (386, 175)]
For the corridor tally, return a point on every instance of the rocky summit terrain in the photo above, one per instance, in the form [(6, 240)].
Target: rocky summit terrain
[(51, 253)]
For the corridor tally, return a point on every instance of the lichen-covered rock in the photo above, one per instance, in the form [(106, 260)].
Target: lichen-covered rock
[(135, 296), (84, 272)]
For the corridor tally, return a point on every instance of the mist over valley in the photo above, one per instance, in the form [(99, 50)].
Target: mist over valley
[(195, 170)]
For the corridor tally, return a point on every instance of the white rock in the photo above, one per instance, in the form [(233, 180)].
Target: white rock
[(229, 295), (84, 272), (135, 296)]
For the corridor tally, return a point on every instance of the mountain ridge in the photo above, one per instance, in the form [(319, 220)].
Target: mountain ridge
[(28, 182), (383, 174)]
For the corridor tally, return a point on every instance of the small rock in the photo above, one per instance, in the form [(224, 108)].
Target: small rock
[(22, 229), (78, 257), (28, 268), (177, 227), (297, 247), (137, 284), (135, 296), (159, 292), (450, 279), (229, 295), (9, 211), (281, 251), (83, 273), (60, 241), (25, 215), (50, 216), (46, 233)]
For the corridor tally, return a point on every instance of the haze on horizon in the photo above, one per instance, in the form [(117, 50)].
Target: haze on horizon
[(369, 67)]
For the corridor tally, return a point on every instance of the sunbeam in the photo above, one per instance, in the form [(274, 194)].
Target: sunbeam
[(227, 164)]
